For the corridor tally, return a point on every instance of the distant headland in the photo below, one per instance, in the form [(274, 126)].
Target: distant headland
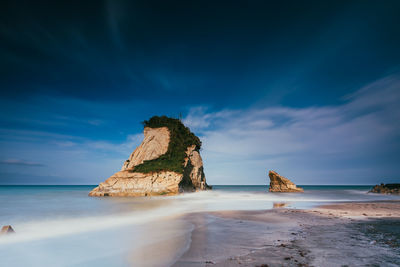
[(386, 189)]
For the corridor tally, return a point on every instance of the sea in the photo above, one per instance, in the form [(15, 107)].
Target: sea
[(61, 226)]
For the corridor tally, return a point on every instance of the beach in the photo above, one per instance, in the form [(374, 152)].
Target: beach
[(227, 226), (345, 234)]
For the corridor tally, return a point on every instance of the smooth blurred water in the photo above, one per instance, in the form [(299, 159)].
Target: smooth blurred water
[(62, 226), (264, 188)]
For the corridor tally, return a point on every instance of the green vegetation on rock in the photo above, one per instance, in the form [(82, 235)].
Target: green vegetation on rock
[(180, 138)]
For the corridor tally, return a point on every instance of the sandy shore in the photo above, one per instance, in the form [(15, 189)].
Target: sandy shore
[(376, 209), (352, 234)]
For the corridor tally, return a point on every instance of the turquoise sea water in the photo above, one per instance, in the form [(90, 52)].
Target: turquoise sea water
[(62, 226)]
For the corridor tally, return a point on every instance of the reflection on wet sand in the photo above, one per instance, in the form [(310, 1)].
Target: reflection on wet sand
[(162, 243), (278, 205)]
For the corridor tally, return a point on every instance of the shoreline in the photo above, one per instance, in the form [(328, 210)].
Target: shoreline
[(346, 233), (222, 227)]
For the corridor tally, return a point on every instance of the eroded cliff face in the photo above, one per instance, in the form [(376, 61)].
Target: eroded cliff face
[(155, 143), (279, 183)]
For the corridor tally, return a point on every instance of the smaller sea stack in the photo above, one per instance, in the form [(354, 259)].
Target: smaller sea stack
[(279, 183)]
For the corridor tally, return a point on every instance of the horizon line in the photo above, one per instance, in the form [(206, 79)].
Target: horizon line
[(211, 184)]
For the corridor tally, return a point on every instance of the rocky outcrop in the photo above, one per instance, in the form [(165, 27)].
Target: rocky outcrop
[(126, 183), (386, 189), (156, 142), (279, 183), (7, 229)]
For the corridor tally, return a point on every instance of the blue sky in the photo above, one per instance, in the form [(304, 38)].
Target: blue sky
[(309, 89)]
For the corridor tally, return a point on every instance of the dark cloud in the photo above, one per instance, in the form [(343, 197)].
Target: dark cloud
[(122, 50)]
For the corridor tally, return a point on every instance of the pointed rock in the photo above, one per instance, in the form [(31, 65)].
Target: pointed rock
[(279, 183)]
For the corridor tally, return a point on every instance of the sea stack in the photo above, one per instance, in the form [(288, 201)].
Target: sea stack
[(279, 183), (167, 162)]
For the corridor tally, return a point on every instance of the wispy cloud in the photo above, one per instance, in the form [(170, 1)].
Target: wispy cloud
[(20, 162), (357, 141), (300, 142), (124, 148)]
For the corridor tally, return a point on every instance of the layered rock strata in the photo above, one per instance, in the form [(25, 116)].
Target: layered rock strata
[(279, 183)]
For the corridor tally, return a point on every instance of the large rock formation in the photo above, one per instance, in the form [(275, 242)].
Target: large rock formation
[(386, 189), (167, 162), (279, 183)]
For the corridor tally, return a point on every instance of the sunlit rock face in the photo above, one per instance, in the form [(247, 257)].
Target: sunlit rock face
[(154, 144), (279, 183), (128, 182)]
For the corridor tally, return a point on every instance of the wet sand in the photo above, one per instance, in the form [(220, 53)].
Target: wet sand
[(353, 234)]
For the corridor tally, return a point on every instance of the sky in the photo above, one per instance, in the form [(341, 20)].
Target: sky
[(310, 89)]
